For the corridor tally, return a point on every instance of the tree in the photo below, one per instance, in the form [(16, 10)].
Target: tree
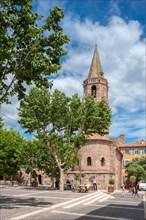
[(132, 179), (31, 47), (11, 145), (62, 123), (137, 168), (37, 157)]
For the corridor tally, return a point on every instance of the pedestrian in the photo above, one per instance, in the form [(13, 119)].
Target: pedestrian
[(57, 184), (94, 183), (68, 184), (72, 185), (123, 191), (133, 190), (136, 192)]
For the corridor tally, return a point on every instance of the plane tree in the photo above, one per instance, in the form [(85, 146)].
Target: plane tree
[(63, 123), (31, 47), (11, 146), (36, 157)]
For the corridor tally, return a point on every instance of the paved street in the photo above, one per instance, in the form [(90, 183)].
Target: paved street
[(39, 204)]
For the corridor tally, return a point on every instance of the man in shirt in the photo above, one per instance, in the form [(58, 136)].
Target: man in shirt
[(94, 183)]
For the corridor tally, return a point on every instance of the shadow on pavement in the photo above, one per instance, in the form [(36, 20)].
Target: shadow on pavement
[(11, 203), (116, 211)]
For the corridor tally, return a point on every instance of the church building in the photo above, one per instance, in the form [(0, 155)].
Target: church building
[(100, 157)]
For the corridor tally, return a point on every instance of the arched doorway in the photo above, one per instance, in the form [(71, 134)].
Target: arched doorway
[(40, 179)]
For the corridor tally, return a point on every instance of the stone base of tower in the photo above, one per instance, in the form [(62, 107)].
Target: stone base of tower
[(100, 157), (101, 178)]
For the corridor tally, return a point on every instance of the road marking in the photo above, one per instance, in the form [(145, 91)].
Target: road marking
[(49, 208), (106, 197), (82, 201), (100, 198), (91, 216)]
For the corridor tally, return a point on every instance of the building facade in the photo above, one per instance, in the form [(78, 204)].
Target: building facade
[(130, 151)]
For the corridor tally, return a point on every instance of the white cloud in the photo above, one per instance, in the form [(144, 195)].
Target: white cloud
[(122, 53), (69, 85), (133, 125)]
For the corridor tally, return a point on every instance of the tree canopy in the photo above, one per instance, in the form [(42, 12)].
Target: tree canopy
[(17, 153), (11, 146), (63, 122), (31, 47), (137, 168), (34, 156)]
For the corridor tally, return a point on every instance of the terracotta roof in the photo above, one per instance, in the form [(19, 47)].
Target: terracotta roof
[(140, 143), (98, 137)]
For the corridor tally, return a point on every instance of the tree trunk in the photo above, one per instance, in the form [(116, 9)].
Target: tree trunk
[(30, 178), (52, 182), (61, 179)]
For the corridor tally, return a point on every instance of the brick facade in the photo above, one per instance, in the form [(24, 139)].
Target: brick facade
[(101, 88), (97, 149)]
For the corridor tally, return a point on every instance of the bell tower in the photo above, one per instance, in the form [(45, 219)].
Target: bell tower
[(96, 84)]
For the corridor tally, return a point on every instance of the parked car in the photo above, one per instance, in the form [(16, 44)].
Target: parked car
[(142, 186)]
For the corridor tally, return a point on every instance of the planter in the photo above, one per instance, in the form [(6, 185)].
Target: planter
[(130, 190), (34, 184), (110, 188), (90, 188)]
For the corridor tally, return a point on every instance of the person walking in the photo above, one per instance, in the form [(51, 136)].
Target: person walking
[(94, 184), (133, 190), (57, 184), (72, 185), (123, 191), (136, 192)]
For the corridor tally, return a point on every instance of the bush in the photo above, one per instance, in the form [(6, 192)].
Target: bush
[(111, 181), (77, 177), (132, 179), (91, 179)]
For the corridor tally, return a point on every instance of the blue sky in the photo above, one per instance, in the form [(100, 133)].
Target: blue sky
[(118, 28)]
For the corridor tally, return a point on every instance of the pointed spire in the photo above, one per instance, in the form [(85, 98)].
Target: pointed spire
[(95, 68)]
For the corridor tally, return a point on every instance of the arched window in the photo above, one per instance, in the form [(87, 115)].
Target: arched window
[(89, 162), (93, 91), (102, 161)]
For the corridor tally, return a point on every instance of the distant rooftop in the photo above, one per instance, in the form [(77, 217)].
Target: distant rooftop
[(140, 143)]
